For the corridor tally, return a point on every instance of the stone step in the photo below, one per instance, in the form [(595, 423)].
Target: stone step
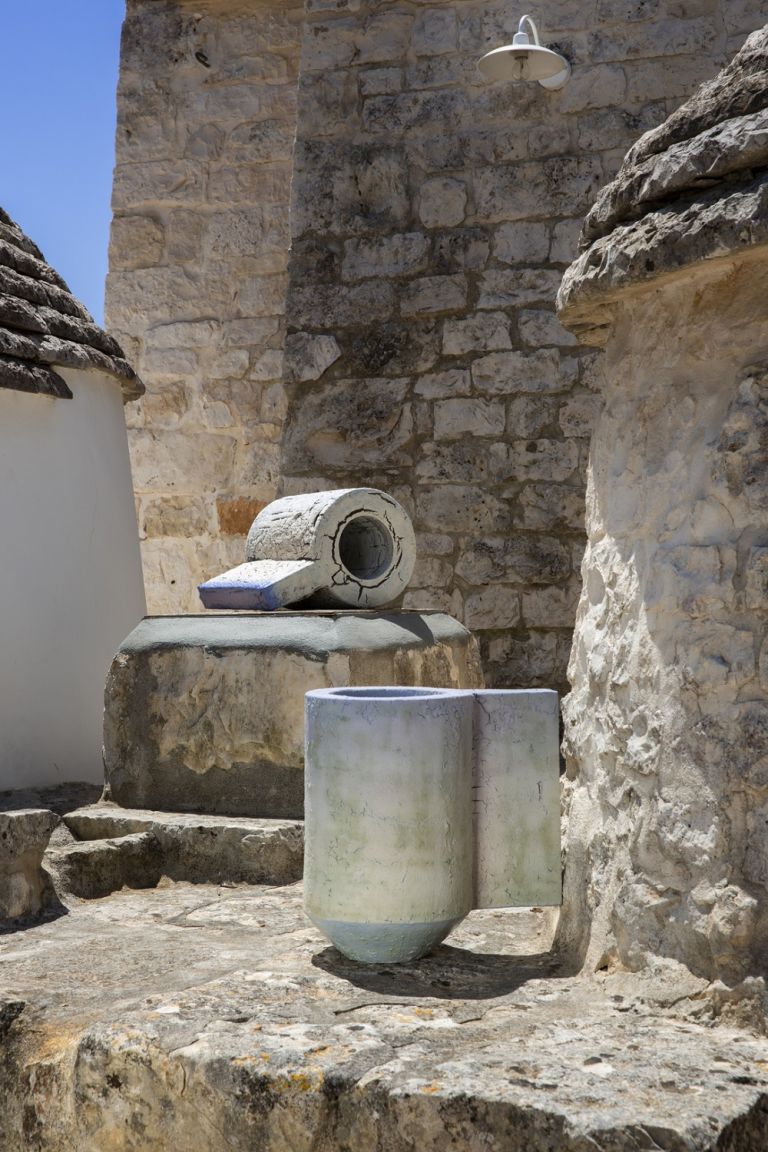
[(114, 847)]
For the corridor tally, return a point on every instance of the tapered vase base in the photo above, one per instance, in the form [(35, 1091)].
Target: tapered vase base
[(385, 943)]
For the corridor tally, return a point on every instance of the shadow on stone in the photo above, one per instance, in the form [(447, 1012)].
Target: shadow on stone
[(58, 798), (51, 910), (448, 973)]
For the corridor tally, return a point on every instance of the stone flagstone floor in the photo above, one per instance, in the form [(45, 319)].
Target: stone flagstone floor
[(216, 1018)]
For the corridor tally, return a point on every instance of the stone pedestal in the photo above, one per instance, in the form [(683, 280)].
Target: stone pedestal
[(667, 723), (206, 713)]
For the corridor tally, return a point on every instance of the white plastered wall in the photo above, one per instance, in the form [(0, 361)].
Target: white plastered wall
[(70, 576)]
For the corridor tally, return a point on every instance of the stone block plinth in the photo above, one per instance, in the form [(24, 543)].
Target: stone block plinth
[(206, 714)]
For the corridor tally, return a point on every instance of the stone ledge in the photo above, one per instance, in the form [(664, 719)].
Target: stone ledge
[(206, 713), (196, 1017), (115, 848)]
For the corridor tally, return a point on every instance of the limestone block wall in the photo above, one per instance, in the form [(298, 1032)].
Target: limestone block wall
[(432, 216), (198, 260)]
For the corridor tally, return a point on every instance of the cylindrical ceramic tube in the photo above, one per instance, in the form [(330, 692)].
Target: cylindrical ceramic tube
[(352, 547), (388, 811), (360, 540), (516, 798)]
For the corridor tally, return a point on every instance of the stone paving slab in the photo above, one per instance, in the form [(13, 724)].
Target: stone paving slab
[(99, 821), (191, 1017)]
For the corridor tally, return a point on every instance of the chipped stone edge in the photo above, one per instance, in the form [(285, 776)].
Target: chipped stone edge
[(721, 223)]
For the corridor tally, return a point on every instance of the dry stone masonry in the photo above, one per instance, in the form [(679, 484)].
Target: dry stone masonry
[(43, 327), (199, 252), (667, 723), (432, 216)]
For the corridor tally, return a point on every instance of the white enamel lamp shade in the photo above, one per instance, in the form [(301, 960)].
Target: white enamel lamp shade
[(526, 59)]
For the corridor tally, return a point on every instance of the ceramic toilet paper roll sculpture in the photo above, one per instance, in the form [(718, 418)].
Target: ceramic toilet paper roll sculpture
[(423, 803), (350, 548)]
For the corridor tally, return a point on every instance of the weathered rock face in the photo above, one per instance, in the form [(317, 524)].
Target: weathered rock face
[(206, 714), (24, 886), (432, 218), (667, 723)]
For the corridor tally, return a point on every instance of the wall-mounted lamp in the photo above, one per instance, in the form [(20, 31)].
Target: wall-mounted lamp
[(526, 60)]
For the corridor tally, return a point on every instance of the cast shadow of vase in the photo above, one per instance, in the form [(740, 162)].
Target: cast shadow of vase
[(447, 973)]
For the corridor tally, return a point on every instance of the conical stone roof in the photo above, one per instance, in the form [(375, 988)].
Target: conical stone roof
[(43, 326), (693, 189)]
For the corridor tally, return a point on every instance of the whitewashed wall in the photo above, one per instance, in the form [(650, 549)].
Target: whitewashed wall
[(70, 575)]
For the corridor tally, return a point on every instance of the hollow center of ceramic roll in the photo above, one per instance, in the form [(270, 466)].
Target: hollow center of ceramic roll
[(366, 548)]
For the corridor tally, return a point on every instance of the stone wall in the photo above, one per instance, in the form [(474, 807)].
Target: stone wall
[(432, 217), (198, 259), (667, 722)]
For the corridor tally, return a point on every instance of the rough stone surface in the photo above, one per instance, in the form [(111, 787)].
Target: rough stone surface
[(198, 256), (667, 722), (43, 326), (110, 847), (456, 246), (24, 887), (192, 1017), (206, 714), (432, 216), (691, 190)]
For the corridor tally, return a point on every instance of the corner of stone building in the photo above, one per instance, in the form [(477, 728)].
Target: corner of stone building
[(198, 263), (667, 719)]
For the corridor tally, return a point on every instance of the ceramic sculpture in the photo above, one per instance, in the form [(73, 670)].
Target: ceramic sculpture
[(422, 803), (348, 548), (388, 810)]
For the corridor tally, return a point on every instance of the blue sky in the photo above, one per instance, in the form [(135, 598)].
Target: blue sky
[(57, 92)]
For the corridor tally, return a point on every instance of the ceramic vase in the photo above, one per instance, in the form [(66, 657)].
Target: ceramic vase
[(388, 810)]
